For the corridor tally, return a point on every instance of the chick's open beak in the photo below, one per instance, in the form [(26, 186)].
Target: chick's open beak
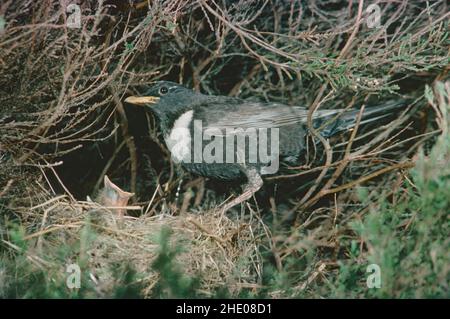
[(142, 100)]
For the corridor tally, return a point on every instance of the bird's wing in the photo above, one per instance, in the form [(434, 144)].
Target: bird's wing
[(232, 113), (244, 114)]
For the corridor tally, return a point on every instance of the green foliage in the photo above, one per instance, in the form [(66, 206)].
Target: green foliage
[(172, 283), (127, 284), (408, 240), (24, 274)]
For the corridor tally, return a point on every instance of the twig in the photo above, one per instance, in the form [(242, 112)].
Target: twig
[(206, 231), (128, 140)]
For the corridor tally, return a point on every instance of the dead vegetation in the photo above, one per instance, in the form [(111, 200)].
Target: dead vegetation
[(63, 127)]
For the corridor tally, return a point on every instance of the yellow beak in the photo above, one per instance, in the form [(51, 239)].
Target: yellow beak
[(142, 100)]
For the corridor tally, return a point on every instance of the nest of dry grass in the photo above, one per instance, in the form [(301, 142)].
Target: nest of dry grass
[(211, 246)]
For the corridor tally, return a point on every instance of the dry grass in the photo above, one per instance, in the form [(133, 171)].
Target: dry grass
[(213, 247)]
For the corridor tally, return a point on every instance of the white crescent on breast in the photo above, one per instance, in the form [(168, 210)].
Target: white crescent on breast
[(178, 140)]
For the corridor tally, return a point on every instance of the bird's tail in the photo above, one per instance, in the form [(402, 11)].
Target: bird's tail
[(333, 124)]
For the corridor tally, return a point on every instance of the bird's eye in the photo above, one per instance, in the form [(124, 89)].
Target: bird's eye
[(163, 90)]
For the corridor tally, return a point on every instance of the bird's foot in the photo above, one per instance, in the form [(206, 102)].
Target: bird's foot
[(254, 184)]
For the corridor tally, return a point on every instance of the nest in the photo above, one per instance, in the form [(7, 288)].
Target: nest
[(216, 249)]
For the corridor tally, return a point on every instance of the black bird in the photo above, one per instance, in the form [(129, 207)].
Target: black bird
[(197, 127)]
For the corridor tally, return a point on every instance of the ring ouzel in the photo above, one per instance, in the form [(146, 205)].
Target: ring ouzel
[(191, 122)]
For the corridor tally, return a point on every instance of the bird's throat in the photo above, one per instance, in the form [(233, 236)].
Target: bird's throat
[(178, 140)]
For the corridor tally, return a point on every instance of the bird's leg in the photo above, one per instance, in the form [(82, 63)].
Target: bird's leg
[(254, 184)]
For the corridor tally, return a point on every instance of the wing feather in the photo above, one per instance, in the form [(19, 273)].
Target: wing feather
[(236, 113)]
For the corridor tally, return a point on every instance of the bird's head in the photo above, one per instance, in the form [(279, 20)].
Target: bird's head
[(168, 100)]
